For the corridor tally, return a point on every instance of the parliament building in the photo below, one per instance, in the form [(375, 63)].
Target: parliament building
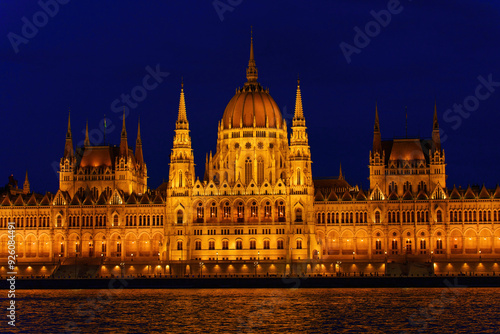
[(257, 207)]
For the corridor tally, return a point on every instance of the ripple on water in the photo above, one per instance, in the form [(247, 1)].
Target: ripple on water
[(408, 310)]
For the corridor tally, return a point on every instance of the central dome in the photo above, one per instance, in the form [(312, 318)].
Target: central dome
[(252, 106)]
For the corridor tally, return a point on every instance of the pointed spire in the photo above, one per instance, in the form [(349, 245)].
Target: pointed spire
[(299, 112), (436, 138), (252, 73), (68, 147), (124, 129), (435, 125), (123, 141), (87, 141), (138, 145), (68, 133), (182, 116), (138, 140), (26, 185), (377, 137), (341, 177)]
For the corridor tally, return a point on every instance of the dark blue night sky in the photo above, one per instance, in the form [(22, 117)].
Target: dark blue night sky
[(91, 52)]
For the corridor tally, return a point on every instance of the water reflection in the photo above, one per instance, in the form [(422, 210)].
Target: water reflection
[(260, 311)]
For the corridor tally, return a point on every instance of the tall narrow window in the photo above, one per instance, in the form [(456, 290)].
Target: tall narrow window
[(298, 177), (180, 179), (248, 170), (299, 244), (179, 217), (260, 171), (266, 244)]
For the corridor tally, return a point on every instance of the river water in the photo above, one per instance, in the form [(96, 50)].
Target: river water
[(408, 310)]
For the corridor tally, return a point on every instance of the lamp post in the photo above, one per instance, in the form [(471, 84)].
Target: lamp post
[(353, 256), (217, 253), (432, 256), (201, 269), (255, 265), (258, 256), (102, 262), (479, 255), (291, 262), (132, 257)]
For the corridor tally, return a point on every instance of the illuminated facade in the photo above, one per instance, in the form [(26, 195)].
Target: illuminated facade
[(257, 200)]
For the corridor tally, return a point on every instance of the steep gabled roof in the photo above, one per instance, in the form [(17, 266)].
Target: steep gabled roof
[(145, 199), (422, 195), (32, 200), (455, 194), (361, 196), (497, 192), (89, 200), (76, 200), (7, 201), (132, 199), (484, 193), (393, 196), (319, 196), (332, 196), (19, 200), (158, 199), (346, 196), (46, 200), (469, 194), (407, 196), (103, 199)]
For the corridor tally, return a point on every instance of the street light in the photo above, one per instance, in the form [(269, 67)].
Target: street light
[(201, 269), (353, 255), (258, 255), (479, 254), (217, 256)]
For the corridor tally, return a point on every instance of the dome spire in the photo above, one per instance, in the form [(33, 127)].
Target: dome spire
[(182, 121), (299, 112), (86, 141), (252, 68)]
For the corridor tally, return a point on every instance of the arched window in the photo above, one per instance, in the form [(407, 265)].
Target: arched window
[(299, 244), (248, 170), (59, 221), (266, 244), (267, 210), (197, 245), (241, 212), (377, 217), (260, 170), (439, 216), (180, 179), (298, 215), (253, 244), (211, 245), (298, 177), (254, 210), (239, 244), (180, 216), (179, 245)]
